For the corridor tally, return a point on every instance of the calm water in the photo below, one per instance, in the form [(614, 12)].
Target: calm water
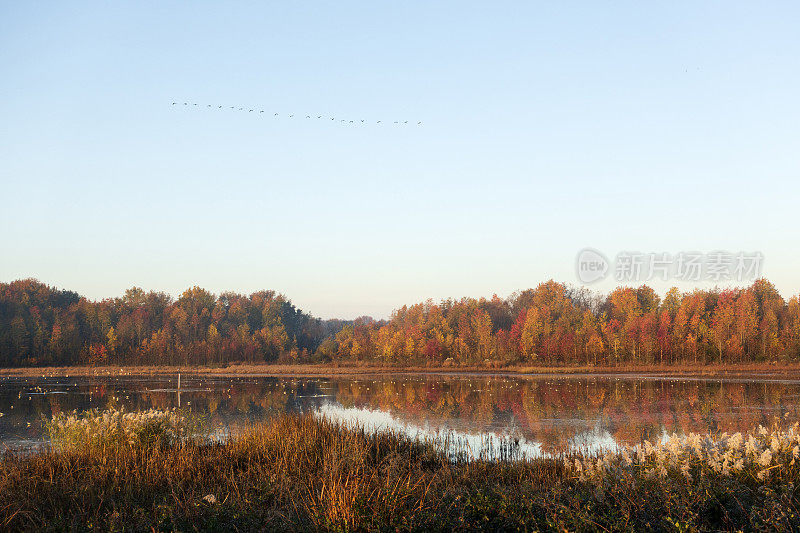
[(539, 415)]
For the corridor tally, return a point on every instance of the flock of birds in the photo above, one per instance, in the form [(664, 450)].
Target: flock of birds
[(292, 115)]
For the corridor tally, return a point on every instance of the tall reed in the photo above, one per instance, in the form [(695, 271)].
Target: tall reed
[(299, 473)]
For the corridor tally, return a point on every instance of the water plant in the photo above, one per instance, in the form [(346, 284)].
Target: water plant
[(760, 455), (114, 429)]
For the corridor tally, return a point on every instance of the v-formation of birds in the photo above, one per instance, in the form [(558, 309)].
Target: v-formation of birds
[(292, 115)]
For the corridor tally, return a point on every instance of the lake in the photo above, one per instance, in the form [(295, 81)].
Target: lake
[(539, 415)]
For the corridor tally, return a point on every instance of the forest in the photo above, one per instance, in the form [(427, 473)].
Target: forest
[(553, 324), (42, 325)]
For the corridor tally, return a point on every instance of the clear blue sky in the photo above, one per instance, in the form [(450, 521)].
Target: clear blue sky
[(548, 127)]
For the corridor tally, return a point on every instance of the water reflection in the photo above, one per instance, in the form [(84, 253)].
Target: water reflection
[(530, 416)]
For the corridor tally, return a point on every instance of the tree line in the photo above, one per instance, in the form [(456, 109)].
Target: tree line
[(551, 324), (41, 325), (557, 324)]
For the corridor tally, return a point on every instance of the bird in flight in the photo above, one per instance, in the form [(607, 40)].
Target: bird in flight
[(344, 121)]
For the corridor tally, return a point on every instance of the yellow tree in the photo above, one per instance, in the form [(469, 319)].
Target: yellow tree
[(111, 341), (531, 334), (723, 320)]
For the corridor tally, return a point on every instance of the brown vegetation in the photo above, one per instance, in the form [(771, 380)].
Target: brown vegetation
[(348, 368), (303, 473)]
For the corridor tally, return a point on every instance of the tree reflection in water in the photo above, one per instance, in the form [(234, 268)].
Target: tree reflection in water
[(536, 414)]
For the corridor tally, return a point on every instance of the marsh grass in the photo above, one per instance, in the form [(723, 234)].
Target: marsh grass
[(114, 430), (347, 368), (301, 473)]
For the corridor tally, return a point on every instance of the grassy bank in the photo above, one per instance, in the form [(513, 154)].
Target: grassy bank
[(326, 370), (145, 471)]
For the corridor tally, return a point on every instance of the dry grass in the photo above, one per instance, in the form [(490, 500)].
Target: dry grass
[(353, 369), (303, 473), (296, 473)]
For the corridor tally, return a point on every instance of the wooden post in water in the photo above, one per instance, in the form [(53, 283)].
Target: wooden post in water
[(179, 389)]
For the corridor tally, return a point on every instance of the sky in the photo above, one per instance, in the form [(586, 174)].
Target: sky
[(546, 128)]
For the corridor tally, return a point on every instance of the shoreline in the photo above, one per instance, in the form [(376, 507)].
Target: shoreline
[(329, 370)]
